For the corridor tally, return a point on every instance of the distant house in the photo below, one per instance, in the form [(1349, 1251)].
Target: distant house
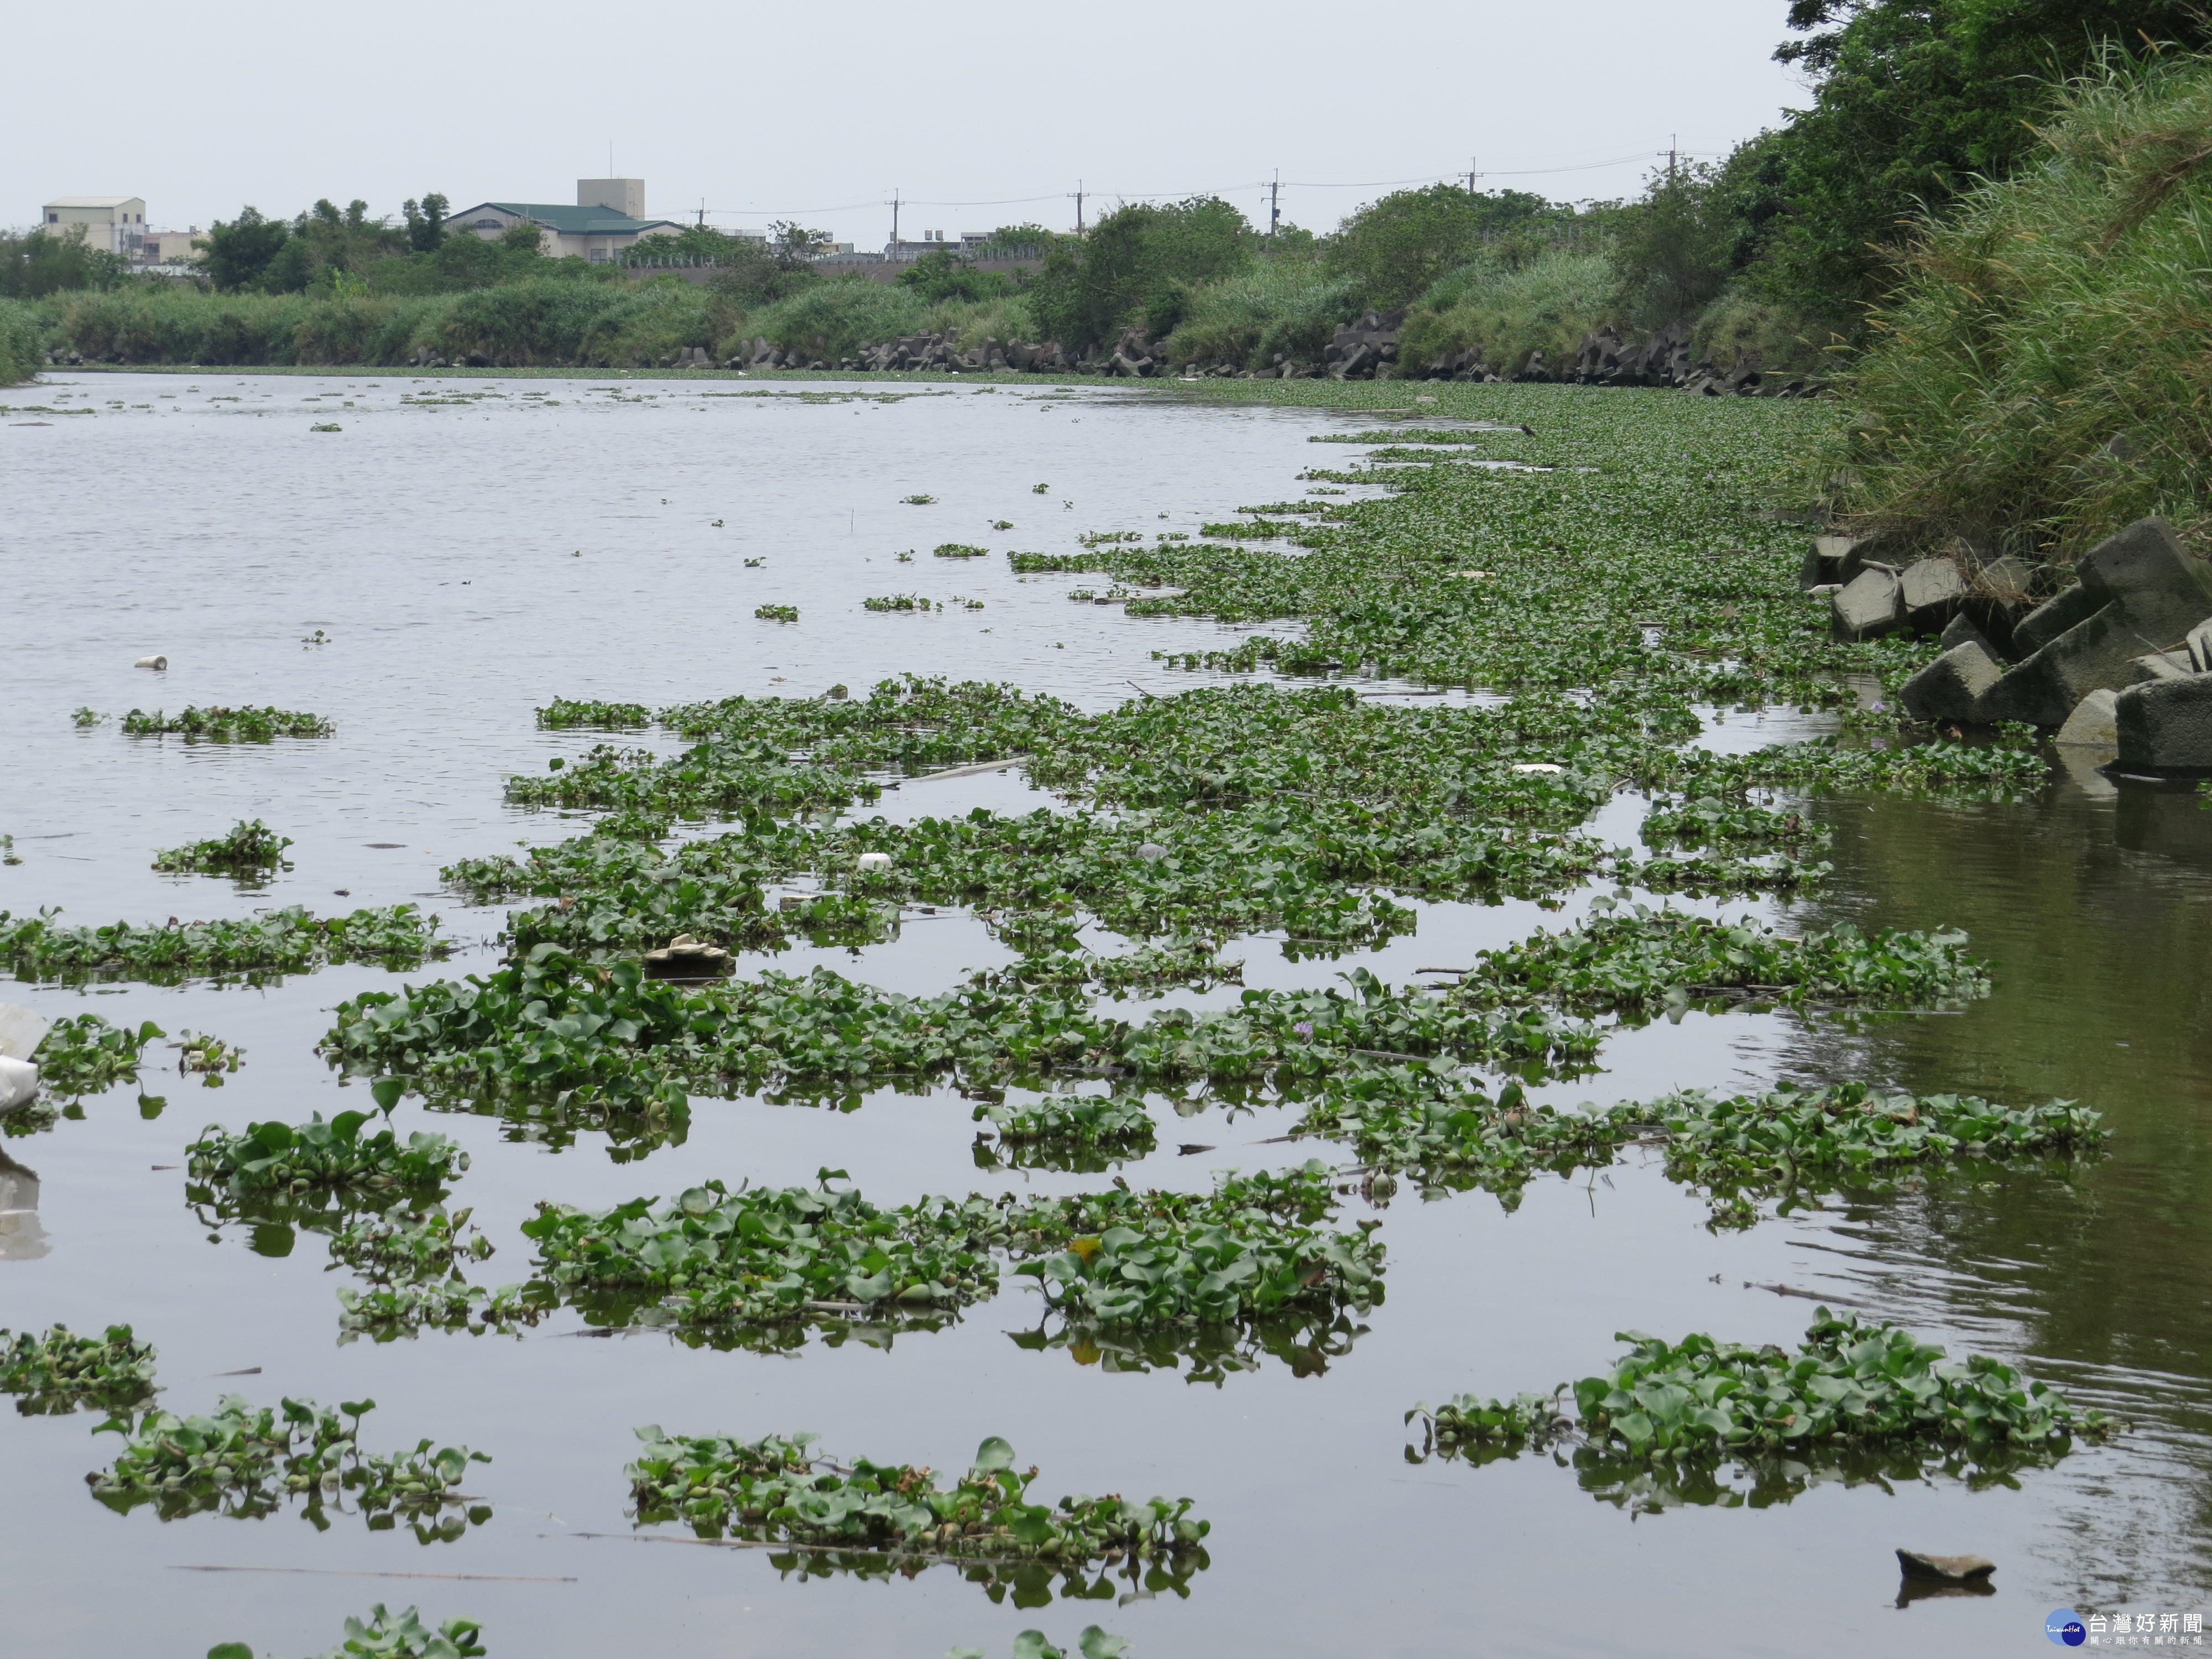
[(115, 224), (608, 216), (171, 247)]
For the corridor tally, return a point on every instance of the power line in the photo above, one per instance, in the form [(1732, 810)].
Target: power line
[(1273, 186)]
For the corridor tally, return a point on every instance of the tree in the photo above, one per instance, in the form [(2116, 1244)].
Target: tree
[(1400, 245), (426, 222), (41, 262), (1913, 100), (941, 274), (1673, 247), (1138, 267), (239, 253)]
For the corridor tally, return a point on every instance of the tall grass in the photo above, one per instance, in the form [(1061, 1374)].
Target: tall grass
[(1548, 304), (833, 319), (22, 349), (1289, 307), (2045, 375)]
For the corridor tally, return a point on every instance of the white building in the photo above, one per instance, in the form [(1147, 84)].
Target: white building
[(608, 217), (115, 224)]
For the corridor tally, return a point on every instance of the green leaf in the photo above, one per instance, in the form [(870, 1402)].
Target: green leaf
[(995, 1453), (1097, 1644), (1031, 1644), (386, 1091), (230, 1650)]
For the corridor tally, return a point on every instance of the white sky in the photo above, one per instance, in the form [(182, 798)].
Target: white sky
[(818, 115)]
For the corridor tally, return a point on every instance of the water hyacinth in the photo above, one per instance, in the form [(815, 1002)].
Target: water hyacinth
[(61, 1371), (269, 944), (1867, 1398), (218, 725), (83, 1054), (247, 1461), (272, 1156), (780, 1490), (249, 849)]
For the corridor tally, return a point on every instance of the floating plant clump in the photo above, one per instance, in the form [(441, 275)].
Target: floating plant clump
[(250, 849), (269, 944), (61, 1371), (83, 1054), (247, 1461), (219, 725), (1859, 1401), (782, 1490)]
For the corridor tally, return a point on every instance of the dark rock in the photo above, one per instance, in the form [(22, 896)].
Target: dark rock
[(1951, 688), (2167, 726), (2094, 724), (1955, 1568), (1870, 606)]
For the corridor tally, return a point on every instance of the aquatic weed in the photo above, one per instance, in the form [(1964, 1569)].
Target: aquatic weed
[(60, 1371), (247, 1461), (224, 724)]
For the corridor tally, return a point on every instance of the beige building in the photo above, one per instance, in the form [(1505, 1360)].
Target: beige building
[(171, 247), (113, 222), (608, 216)]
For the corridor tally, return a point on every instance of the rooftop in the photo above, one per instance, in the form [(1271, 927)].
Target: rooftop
[(573, 221), (89, 201)]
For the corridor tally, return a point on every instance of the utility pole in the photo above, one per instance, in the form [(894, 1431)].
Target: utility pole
[(1474, 172), (1078, 206), (895, 208), (702, 213), (1674, 142), (1275, 207)]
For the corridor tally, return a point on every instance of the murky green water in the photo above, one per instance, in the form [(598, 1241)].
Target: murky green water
[(436, 547)]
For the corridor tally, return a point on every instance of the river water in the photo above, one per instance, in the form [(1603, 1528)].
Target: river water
[(597, 542)]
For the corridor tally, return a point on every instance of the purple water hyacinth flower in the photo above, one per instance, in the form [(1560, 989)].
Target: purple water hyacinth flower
[(1304, 1029)]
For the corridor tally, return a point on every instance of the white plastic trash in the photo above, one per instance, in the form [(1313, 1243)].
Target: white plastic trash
[(19, 1081), (155, 663), (22, 1031), (875, 861), (1151, 851), (1539, 766)]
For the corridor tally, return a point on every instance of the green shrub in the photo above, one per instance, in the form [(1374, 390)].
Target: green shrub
[(835, 318), (1271, 307), (21, 343), (2040, 379), (1548, 304)]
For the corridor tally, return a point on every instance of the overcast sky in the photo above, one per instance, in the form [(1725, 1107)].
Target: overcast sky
[(981, 113)]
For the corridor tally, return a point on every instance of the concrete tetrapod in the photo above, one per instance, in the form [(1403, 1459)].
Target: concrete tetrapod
[(2094, 724), (2167, 724), (1870, 604), (1952, 687)]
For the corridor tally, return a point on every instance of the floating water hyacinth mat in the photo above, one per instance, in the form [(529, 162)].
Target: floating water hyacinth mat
[(1851, 1389), (833, 1516), (61, 1371), (269, 944), (1118, 1259), (283, 1156), (553, 1025), (249, 848), (227, 725), (246, 1461), (83, 1054), (387, 1635)]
